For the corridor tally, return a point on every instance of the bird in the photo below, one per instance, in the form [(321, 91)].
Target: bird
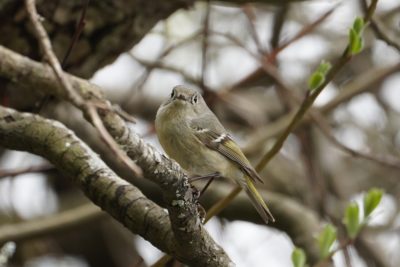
[(191, 134)]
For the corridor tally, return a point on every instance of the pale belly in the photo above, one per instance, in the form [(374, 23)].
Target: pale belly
[(192, 155)]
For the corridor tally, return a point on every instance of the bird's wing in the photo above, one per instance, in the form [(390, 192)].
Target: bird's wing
[(218, 140)]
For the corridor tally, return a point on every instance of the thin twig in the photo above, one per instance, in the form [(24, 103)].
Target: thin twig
[(364, 83), (105, 106), (72, 95), (382, 33), (279, 21), (204, 46), (19, 171), (274, 53), (123, 114), (344, 244), (370, 11), (233, 40), (389, 161), (107, 138), (386, 160), (162, 65), (310, 98), (79, 28), (143, 78), (307, 103), (380, 29), (303, 32), (220, 205), (249, 12), (77, 33), (51, 58)]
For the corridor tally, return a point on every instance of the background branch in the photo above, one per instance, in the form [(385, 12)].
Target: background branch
[(49, 225)]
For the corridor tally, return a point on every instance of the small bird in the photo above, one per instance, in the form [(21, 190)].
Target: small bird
[(192, 135)]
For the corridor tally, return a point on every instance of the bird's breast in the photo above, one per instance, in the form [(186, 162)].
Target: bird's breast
[(179, 142)]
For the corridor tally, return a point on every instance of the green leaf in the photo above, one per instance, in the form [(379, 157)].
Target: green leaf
[(372, 200), (325, 240), (358, 25), (353, 36), (318, 76), (352, 220), (358, 46), (298, 257), (315, 80), (324, 67), (355, 42)]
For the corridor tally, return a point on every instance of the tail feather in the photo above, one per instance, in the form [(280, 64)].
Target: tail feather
[(258, 201)]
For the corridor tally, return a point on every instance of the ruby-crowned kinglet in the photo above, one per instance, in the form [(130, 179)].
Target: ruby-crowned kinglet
[(192, 135)]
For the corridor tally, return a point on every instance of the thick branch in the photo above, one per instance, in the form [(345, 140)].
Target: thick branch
[(123, 201), (164, 172)]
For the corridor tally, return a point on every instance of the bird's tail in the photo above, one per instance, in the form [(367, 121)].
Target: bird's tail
[(258, 201)]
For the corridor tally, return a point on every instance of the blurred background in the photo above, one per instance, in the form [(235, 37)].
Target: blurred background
[(138, 55)]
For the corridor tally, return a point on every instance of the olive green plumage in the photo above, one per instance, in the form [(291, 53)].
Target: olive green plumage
[(192, 135)]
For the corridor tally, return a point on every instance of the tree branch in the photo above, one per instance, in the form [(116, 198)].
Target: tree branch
[(47, 225), (126, 203), (87, 107), (4, 173), (292, 217), (361, 84), (159, 169)]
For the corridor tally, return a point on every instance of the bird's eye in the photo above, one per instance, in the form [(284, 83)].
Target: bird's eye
[(195, 99), (172, 93)]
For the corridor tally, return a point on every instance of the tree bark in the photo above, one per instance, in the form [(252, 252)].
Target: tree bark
[(111, 28), (50, 139)]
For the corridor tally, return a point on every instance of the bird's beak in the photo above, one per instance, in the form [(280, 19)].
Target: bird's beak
[(181, 97)]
